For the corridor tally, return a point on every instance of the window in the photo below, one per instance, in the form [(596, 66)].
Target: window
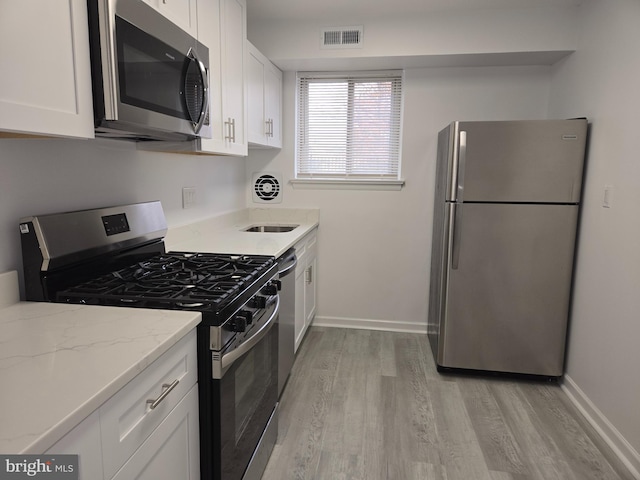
[(349, 127)]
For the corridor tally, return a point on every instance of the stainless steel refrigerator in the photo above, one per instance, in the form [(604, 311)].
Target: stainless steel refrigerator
[(506, 209)]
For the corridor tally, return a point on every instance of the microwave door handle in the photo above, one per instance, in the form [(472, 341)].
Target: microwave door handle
[(197, 125)]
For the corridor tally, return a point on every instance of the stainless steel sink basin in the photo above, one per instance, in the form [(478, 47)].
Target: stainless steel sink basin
[(271, 228)]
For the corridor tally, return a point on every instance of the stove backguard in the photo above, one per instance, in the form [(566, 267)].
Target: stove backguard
[(86, 240)]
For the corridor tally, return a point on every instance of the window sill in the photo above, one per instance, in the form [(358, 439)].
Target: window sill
[(339, 184)]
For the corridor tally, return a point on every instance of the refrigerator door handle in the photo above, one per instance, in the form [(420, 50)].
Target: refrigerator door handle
[(462, 159), (456, 232)]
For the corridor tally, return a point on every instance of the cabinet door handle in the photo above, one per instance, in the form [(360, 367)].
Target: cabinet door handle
[(231, 130), (228, 125), (309, 272), (167, 388)]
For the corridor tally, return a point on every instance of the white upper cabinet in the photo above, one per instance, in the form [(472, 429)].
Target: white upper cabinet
[(222, 26), (45, 86), (273, 103), (264, 87), (181, 12)]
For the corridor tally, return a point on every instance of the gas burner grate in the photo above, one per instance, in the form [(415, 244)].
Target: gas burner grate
[(175, 280)]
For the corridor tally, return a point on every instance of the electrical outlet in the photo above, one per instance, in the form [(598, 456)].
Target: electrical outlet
[(188, 197)]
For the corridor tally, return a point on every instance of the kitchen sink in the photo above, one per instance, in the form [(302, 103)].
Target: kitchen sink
[(271, 228)]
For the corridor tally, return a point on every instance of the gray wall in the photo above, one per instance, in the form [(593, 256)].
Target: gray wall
[(56, 175), (375, 245), (601, 81)]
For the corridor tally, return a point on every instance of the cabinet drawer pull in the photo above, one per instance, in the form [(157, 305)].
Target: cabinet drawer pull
[(168, 387)]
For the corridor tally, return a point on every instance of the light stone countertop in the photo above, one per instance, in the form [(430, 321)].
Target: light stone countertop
[(225, 233), (60, 362)]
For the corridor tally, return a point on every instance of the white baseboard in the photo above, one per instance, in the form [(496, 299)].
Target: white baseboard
[(368, 324), (609, 433)]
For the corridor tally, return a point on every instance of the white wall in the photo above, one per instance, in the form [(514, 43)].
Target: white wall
[(601, 81), (56, 175), (438, 38), (374, 246)]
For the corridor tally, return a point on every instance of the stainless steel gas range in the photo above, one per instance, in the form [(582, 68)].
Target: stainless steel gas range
[(116, 256)]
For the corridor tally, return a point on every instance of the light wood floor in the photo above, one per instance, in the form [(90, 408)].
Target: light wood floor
[(370, 405)]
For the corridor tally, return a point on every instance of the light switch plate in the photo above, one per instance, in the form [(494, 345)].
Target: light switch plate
[(188, 197)]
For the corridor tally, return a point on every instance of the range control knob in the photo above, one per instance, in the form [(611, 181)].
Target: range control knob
[(258, 302), (248, 316), (272, 287), (238, 323), (270, 290)]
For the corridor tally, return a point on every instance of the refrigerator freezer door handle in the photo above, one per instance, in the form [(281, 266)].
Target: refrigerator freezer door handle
[(456, 219), (462, 159)]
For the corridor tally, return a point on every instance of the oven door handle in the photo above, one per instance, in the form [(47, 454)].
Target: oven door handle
[(229, 358)]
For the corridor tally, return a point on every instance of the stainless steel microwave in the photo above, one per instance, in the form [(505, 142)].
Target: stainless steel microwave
[(150, 77)]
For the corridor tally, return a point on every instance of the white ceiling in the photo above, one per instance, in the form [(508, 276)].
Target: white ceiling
[(335, 9)]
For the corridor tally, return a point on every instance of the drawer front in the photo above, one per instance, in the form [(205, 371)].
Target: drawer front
[(172, 451), (129, 417), (301, 249), (306, 246), (312, 243)]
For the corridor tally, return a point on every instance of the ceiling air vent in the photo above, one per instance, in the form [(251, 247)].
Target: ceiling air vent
[(341, 37)]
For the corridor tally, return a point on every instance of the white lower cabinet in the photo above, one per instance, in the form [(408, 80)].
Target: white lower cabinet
[(306, 285), (84, 441), (310, 290), (299, 310), (147, 430), (127, 419), (171, 451)]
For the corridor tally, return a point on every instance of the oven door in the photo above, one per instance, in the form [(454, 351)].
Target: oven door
[(244, 399)]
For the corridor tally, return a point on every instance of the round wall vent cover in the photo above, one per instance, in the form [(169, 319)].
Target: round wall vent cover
[(267, 188)]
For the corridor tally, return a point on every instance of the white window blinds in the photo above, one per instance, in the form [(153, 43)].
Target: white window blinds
[(349, 126)]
